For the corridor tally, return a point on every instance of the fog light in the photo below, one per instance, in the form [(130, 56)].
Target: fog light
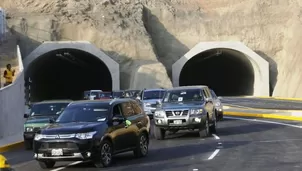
[(220, 109), (197, 119), (88, 154), (159, 121)]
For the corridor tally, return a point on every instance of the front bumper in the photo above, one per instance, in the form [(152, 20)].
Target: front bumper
[(72, 149), (188, 122)]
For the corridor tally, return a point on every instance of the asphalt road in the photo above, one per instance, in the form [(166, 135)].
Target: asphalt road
[(263, 103), (249, 145)]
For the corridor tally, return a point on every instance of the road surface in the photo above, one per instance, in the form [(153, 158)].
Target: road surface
[(240, 144)]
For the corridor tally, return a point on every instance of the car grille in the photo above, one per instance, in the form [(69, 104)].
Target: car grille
[(177, 113), (58, 145)]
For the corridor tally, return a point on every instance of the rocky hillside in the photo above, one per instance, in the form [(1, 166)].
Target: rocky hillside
[(143, 33)]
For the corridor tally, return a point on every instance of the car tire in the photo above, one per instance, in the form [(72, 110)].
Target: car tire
[(205, 131), (212, 128), (47, 164), (106, 154), (28, 145), (142, 146), (159, 133)]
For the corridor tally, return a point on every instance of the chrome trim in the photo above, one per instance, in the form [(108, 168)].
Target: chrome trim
[(59, 136), (75, 155)]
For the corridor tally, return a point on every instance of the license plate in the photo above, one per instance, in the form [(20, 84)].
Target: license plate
[(177, 122), (57, 152)]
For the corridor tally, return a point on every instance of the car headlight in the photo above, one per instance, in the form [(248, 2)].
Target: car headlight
[(196, 111), (147, 104), (86, 135), (217, 104), (159, 113), (38, 137), (29, 129)]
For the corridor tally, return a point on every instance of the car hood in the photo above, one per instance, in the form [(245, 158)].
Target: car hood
[(151, 101), (186, 105), (69, 128), (39, 119)]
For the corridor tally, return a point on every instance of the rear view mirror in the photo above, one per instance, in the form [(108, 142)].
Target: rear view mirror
[(26, 115)]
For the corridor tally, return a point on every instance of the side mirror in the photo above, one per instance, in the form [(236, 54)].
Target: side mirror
[(158, 103), (52, 120), (208, 99), (138, 98), (219, 97), (118, 119), (26, 115)]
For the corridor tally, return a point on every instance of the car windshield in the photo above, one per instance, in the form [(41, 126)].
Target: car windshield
[(183, 95), (117, 94), (47, 109), (105, 95), (88, 94), (85, 113), (148, 95), (132, 93)]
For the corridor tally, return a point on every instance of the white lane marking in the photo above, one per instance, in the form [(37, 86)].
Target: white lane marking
[(195, 169), (71, 164), (264, 121), (216, 137), (214, 154)]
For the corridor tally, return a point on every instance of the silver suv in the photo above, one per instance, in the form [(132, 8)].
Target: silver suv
[(185, 108)]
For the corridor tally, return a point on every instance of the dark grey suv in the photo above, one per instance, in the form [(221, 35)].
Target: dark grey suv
[(185, 108)]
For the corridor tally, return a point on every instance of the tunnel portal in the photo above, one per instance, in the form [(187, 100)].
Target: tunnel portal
[(65, 73), (229, 68)]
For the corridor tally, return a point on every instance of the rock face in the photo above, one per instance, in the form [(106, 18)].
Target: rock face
[(138, 33)]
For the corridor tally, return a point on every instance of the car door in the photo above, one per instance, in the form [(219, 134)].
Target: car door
[(130, 130), (118, 131)]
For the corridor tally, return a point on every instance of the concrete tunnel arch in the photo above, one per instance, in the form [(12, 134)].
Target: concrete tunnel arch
[(209, 63), (84, 65)]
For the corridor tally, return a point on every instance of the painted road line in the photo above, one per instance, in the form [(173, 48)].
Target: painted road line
[(263, 115), (215, 136), (11, 146), (263, 121), (71, 164), (214, 154)]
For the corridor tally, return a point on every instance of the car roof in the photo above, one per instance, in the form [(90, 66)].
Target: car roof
[(54, 101), (157, 89), (188, 87), (111, 101)]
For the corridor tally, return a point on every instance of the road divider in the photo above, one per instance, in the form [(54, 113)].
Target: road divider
[(11, 146)]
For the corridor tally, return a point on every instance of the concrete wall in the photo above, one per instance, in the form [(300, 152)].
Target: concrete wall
[(12, 105), (260, 65)]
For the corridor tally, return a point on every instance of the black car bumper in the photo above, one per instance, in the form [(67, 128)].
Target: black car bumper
[(66, 150)]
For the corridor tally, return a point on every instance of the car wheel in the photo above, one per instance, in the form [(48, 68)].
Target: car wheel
[(212, 128), (205, 131), (159, 133), (47, 164), (105, 158), (28, 144), (142, 146)]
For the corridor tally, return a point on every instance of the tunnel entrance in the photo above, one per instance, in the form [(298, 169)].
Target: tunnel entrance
[(58, 71), (66, 74), (227, 72)]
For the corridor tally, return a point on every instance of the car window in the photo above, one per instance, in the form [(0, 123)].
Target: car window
[(136, 108), (117, 111), (47, 109), (205, 93), (148, 95), (127, 109), (183, 95), (85, 113), (213, 94)]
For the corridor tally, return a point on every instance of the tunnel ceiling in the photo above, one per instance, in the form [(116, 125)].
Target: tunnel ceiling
[(229, 68), (63, 70)]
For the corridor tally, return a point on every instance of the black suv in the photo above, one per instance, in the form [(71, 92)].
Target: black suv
[(94, 131)]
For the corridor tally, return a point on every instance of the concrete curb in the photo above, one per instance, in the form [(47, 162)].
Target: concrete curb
[(225, 107), (274, 98), (263, 115), (11, 146)]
